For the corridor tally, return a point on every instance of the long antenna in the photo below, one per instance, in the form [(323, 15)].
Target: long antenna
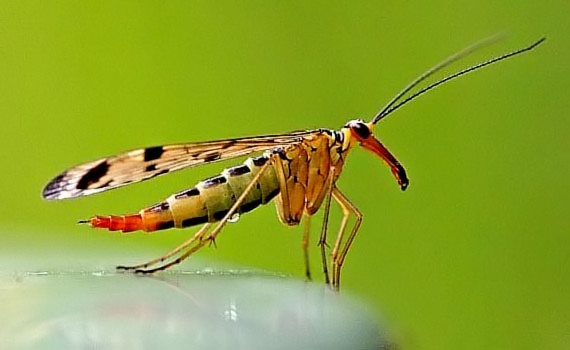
[(456, 56), (391, 107)]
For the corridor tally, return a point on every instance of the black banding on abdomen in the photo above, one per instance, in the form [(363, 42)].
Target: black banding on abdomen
[(271, 195), (214, 181), (195, 221), (245, 207), (261, 160), (165, 225), (238, 170), (159, 207), (219, 215), (188, 193)]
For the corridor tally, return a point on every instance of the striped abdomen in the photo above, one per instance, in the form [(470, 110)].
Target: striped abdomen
[(209, 201)]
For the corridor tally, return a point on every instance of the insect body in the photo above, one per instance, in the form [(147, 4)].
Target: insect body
[(299, 170)]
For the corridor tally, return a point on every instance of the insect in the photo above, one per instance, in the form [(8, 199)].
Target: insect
[(299, 170)]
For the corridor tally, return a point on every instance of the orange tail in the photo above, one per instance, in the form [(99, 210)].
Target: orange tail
[(154, 218), (124, 223)]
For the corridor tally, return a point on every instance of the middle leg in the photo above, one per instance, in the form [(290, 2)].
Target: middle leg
[(305, 246), (338, 254)]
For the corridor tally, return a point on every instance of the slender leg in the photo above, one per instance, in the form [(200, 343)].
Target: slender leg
[(176, 261), (346, 213), (198, 236), (212, 236), (324, 227), (305, 246), (338, 258)]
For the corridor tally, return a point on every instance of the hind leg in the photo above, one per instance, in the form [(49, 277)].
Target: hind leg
[(197, 237)]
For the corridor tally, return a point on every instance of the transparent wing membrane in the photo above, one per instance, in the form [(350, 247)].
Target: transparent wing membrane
[(146, 163)]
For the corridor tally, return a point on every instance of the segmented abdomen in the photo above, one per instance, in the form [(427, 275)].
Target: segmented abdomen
[(209, 201)]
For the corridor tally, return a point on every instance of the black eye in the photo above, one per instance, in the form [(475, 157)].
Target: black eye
[(360, 129)]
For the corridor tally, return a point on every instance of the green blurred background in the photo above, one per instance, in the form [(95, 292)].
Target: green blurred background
[(475, 254)]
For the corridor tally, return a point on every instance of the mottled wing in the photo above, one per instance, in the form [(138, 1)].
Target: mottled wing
[(146, 163)]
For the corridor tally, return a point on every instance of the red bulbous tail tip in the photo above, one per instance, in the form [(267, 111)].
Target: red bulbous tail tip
[(124, 223)]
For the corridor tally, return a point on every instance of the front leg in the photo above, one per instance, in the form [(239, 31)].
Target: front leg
[(338, 254)]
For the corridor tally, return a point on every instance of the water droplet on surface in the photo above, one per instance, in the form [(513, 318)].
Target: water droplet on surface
[(234, 218)]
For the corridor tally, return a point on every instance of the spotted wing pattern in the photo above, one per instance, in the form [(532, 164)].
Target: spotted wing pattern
[(146, 163)]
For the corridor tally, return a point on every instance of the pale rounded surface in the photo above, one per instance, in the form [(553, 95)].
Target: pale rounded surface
[(202, 309)]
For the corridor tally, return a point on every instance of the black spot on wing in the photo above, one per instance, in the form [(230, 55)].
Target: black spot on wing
[(93, 175), (151, 167), (228, 144), (54, 187), (212, 157), (106, 184), (152, 153), (163, 171)]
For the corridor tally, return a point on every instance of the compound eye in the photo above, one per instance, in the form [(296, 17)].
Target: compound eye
[(360, 129)]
